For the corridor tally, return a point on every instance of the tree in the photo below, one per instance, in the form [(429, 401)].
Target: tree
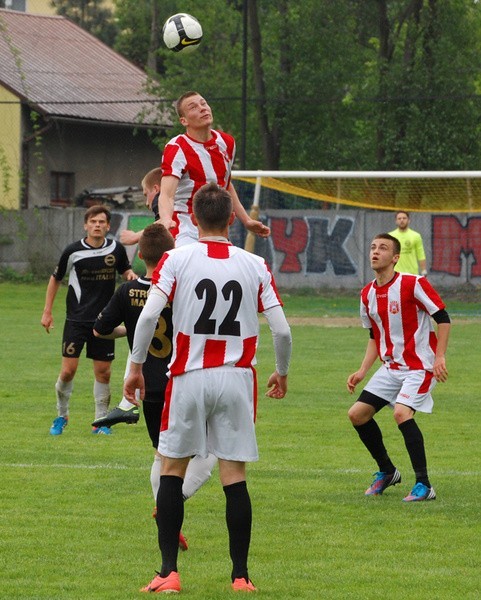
[(426, 116), (91, 15)]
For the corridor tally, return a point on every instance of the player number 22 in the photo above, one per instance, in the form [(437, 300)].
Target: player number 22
[(207, 290)]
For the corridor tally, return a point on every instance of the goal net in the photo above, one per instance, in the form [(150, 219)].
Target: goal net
[(423, 191)]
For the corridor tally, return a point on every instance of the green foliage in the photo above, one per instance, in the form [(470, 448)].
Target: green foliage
[(11, 275), (91, 15), (76, 509), (5, 172), (133, 20)]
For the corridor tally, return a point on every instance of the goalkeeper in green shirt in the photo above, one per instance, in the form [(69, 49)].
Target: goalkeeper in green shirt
[(413, 257)]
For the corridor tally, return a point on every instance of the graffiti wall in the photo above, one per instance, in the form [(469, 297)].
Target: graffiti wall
[(323, 248)]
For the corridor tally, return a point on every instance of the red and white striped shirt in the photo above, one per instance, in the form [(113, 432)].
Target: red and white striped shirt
[(216, 291), (399, 315), (197, 163)]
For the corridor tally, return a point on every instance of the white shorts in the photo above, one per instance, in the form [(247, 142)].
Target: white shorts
[(411, 388), (211, 411), (186, 232)]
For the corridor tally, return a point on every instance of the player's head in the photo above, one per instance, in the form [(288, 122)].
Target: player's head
[(212, 207), (151, 185), (385, 250), (152, 179), (180, 101), (194, 111), (154, 241), (98, 209), (402, 219)]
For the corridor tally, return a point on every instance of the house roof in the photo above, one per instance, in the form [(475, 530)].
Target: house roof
[(66, 72)]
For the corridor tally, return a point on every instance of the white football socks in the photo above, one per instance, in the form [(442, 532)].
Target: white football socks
[(198, 472), (63, 391), (155, 476), (125, 404), (102, 398)]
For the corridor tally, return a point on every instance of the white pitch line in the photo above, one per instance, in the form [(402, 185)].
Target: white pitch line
[(116, 467), (74, 466)]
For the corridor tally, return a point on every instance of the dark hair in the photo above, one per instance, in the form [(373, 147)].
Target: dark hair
[(152, 178), (154, 241), (212, 206), (388, 236), (95, 210), (403, 212), (180, 99)]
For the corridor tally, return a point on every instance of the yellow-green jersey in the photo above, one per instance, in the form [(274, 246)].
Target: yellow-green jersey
[(412, 250)]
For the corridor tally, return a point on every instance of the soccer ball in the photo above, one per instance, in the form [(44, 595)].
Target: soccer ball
[(182, 33)]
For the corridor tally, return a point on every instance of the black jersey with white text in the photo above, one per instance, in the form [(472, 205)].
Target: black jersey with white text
[(125, 307), (92, 276)]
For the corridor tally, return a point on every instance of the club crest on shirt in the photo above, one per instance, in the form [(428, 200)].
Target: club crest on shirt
[(110, 260), (393, 307)]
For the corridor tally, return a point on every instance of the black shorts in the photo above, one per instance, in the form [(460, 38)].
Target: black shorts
[(77, 334), (152, 416), (375, 401)]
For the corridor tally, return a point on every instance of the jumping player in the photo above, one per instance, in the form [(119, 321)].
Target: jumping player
[(189, 161), (216, 291), (397, 309), (92, 264)]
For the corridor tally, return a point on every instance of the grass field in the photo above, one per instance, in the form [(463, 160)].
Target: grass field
[(76, 510)]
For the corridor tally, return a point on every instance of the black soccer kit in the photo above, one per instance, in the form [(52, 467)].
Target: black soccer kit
[(92, 278), (125, 307)]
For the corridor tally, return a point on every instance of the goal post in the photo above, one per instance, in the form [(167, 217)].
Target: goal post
[(254, 214)]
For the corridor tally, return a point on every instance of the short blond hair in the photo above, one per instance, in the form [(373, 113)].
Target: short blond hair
[(180, 100), (152, 178)]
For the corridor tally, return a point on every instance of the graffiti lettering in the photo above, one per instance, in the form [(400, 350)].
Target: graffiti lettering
[(310, 235), (451, 240)]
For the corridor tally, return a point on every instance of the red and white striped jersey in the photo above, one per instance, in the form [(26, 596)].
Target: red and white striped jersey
[(399, 314), (196, 163), (216, 291)]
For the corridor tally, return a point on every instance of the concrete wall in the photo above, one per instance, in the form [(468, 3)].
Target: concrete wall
[(308, 249)]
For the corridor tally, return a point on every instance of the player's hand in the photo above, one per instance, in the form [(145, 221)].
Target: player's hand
[(258, 228), (168, 223), (130, 275), (439, 370), (47, 322), (353, 380), (133, 382), (277, 385), (128, 237)]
